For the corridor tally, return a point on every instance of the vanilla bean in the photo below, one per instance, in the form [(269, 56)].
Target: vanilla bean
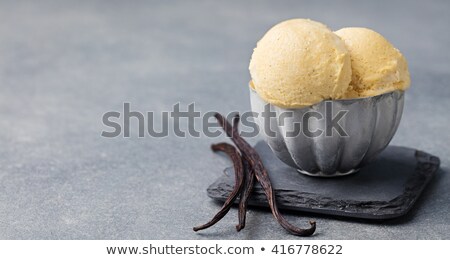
[(234, 155), (262, 176), (245, 194)]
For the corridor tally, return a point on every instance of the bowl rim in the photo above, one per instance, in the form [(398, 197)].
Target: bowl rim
[(343, 100)]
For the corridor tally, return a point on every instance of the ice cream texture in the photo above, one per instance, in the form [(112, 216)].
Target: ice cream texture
[(377, 66), (298, 63), (301, 62)]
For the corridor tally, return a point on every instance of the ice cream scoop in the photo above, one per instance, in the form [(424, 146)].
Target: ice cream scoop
[(377, 66), (299, 63), (298, 66)]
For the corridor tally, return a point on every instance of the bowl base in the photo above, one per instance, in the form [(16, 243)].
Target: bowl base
[(321, 174)]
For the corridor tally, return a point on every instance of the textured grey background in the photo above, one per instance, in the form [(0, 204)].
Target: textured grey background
[(64, 64)]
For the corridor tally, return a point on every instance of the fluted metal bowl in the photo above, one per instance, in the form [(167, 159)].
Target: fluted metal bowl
[(369, 126)]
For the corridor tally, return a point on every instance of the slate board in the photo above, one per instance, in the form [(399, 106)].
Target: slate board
[(386, 188)]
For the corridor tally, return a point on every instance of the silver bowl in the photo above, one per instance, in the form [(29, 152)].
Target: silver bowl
[(369, 125)]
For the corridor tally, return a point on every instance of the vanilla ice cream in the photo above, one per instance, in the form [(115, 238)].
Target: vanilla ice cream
[(377, 66), (299, 63)]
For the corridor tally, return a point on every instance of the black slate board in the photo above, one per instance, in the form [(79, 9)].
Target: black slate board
[(386, 188)]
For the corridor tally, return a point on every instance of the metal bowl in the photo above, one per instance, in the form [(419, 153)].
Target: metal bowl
[(369, 125)]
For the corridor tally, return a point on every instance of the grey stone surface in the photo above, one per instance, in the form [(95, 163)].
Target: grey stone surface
[(384, 189), (63, 64)]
